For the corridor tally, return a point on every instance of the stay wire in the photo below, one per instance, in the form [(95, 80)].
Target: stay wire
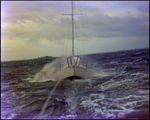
[(62, 35), (62, 28), (82, 29), (68, 38), (78, 45), (86, 41)]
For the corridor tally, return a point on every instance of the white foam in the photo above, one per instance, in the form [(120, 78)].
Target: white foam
[(144, 91), (113, 62), (112, 83), (2, 94), (11, 116), (91, 102), (101, 74), (129, 102), (83, 80), (47, 73), (100, 107), (67, 117), (124, 112), (135, 97)]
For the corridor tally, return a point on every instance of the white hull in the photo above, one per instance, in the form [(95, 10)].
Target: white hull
[(69, 72)]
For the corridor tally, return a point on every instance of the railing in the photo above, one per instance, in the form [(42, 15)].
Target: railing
[(73, 61)]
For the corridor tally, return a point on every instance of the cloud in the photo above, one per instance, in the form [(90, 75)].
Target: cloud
[(103, 25), (39, 23), (35, 19)]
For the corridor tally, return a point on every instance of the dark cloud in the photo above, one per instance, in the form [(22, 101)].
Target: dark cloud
[(103, 25)]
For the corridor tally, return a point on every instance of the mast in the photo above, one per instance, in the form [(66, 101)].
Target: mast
[(72, 32), (72, 14)]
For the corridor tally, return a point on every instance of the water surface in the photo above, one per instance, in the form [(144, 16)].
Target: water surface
[(118, 89)]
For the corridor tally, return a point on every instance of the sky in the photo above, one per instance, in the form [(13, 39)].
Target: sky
[(31, 29)]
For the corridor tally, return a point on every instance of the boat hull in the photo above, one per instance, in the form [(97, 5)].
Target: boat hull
[(73, 73)]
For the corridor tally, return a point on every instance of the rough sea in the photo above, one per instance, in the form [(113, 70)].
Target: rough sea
[(118, 89)]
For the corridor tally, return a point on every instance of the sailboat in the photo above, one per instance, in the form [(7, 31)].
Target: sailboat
[(74, 70)]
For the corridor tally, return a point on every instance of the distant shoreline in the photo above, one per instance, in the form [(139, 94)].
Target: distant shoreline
[(51, 57), (34, 59)]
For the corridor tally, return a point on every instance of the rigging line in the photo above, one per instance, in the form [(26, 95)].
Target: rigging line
[(68, 37), (70, 33), (49, 97), (62, 35), (80, 7), (75, 33), (76, 38), (80, 47), (88, 47), (82, 29), (82, 37), (62, 29), (86, 42)]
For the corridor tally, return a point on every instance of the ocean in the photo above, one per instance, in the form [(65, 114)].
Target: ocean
[(118, 89)]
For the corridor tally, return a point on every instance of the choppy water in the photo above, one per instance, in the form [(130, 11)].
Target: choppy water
[(119, 88)]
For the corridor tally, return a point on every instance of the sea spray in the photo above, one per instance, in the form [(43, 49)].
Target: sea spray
[(95, 67), (48, 71)]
